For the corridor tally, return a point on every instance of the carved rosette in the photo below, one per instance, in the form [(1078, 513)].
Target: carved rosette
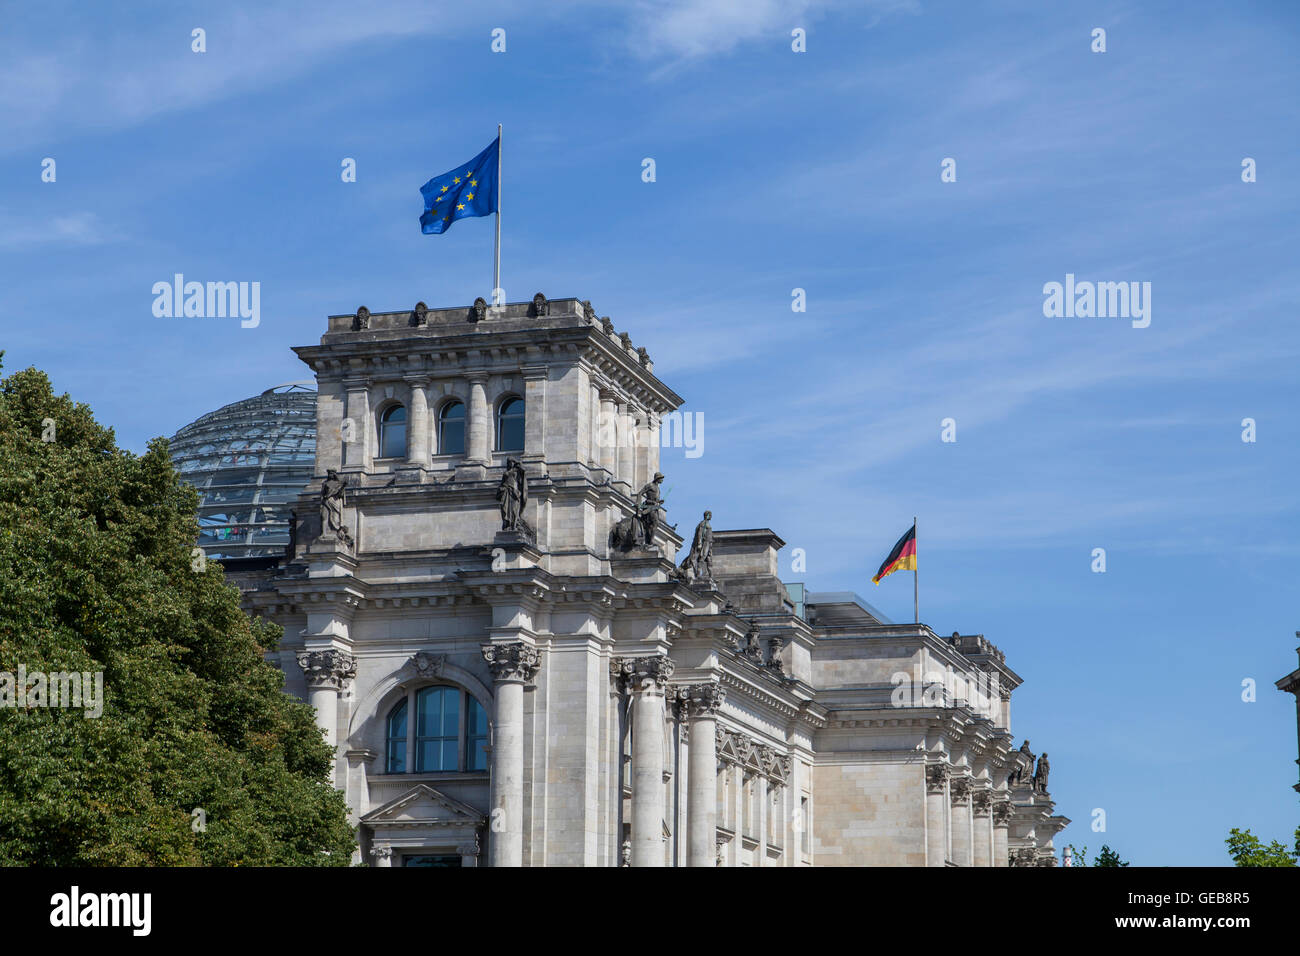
[(648, 674), (982, 802), (513, 662), (1002, 813), (936, 777), (328, 668), (959, 789)]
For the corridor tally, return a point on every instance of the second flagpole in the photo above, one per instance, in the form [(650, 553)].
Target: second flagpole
[(498, 297)]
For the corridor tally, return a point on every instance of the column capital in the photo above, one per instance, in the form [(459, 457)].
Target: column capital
[(648, 673), (936, 777), (1002, 812), (381, 851), (982, 802), (512, 662), (330, 668), (699, 700), (959, 788)]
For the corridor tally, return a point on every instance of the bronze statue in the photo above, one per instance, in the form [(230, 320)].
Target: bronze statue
[(331, 506), (512, 492), (1040, 775), (699, 562)]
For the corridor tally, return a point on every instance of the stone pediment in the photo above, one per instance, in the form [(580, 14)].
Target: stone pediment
[(423, 806)]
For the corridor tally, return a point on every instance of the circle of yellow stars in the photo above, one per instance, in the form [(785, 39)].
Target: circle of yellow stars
[(460, 207)]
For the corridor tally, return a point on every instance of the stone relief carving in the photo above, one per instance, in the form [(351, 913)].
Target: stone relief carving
[(420, 315), (540, 305), (427, 665), (936, 776), (479, 311), (362, 320)]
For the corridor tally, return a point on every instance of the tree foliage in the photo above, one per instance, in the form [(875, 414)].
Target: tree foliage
[(1246, 849), (96, 575), (1108, 857)]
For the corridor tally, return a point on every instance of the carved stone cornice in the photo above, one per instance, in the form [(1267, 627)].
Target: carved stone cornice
[(515, 661), (330, 668), (936, 777), (647, 673)]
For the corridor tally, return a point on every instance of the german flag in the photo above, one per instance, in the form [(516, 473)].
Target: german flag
[(902, 558)]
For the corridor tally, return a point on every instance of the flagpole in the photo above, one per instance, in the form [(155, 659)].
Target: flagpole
[(496, 260), (916, 575)]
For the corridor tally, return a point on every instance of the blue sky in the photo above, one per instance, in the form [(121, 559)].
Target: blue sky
[(775, 170)]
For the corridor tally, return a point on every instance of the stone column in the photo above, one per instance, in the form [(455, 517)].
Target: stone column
[(982, 824), (626, 444), (702, 775), (760, 819), (936, 814), (607, 433), (382, 854), (960, 789), (1001, 825), (646, 677), (328, 673), (512, 664), (478, 427), (417, 424)]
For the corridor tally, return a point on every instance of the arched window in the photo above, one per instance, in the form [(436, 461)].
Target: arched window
[(451, 429), (510, 425), (449, 733), (392, 432)]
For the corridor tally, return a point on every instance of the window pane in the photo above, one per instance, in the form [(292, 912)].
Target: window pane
[(392, 433), (476, 736), (510, 425), (451, 429), (437, 729), (397, 739)]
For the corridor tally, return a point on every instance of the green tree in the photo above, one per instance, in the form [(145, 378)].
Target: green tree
[(1246, 849), (1078, 857), (96, 575), (1108, 857)]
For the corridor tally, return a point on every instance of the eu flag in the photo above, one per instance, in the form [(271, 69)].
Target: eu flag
[(468, 190)]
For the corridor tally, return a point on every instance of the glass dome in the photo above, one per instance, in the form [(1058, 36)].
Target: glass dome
[(249, 460)]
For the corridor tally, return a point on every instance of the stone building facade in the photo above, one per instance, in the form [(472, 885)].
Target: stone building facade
[(509, 680)]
